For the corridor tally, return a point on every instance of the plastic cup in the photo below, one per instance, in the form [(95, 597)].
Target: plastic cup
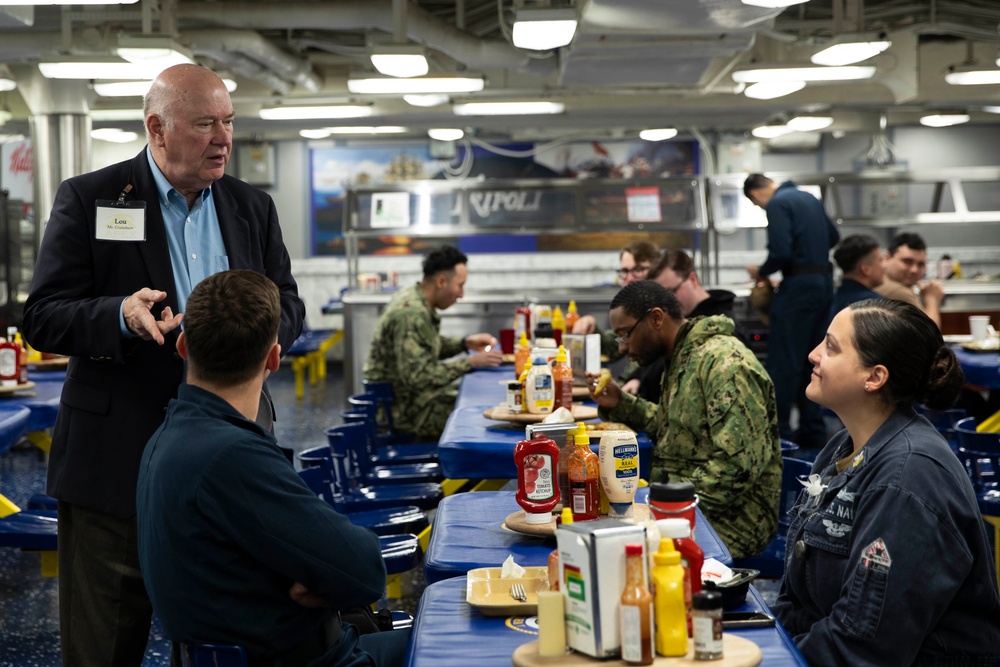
[(507, 341), (979, 327)]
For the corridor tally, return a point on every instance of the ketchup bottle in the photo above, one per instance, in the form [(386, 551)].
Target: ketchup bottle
[(537, 489)]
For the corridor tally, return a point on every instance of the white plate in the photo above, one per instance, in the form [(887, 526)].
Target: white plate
[(957, 338)]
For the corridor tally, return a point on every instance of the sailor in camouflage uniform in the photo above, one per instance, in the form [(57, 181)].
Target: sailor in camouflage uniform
[(409, 351), (716, 423)]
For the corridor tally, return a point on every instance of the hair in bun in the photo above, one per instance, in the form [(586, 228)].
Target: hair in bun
[(922, 369)]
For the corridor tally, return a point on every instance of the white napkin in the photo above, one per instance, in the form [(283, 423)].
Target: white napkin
[(510, 569), (713, 570), (559, 416)]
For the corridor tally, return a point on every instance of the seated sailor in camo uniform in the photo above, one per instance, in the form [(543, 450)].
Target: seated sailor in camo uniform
[(888, 562), (716, 423), (409, 351)]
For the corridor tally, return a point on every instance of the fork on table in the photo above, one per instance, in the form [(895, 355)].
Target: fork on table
[(517, 592)]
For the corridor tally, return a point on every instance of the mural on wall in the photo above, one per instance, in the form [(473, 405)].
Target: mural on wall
[(336, 169)]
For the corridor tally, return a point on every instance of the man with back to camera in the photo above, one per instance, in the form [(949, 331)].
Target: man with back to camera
[(113, 300), (675, 271), (799, 238), (274, 564), (905, 266), (715, 424), (409, 351), (860, 258)]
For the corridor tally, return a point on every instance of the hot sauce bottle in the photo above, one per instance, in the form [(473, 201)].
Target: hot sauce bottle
[(562, 378), (636, 610), (537, 490), (584, 473)]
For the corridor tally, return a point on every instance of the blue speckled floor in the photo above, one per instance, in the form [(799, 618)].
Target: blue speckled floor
[(29, 611)]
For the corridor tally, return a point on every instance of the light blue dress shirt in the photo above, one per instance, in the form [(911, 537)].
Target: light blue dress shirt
[(193, 237)]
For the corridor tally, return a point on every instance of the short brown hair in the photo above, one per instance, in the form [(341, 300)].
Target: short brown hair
[(677, 261), (642, 251), (230, 322)]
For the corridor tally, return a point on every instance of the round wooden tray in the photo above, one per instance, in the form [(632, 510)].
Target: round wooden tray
[(736, 652), (580, 413), (58, 363), (7, 391), (517, 523)]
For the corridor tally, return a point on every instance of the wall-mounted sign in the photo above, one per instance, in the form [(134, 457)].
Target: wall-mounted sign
[(390, 209), (643, 204)]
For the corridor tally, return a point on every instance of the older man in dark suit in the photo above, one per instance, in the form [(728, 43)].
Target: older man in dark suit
[(123, 248)]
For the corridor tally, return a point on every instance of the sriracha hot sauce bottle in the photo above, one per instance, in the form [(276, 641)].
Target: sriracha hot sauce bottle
[(537, 490), (562, 378), (584, 472)]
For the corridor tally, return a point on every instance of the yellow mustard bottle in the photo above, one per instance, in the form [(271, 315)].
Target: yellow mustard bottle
[(668, 602)]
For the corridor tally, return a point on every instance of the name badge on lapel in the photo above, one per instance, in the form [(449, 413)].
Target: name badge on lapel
[(120, 220)]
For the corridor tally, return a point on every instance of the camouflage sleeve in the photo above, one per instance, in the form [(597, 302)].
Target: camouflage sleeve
[(417, 367), (636, 413), (450, 347), (738, 422)]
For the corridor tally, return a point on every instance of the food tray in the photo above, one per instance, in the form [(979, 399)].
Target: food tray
[(490, 594), (580, 413), (517, 522), (737, 652)]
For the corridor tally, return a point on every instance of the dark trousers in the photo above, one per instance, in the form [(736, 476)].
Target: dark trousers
[(104, 611), (798, 319)]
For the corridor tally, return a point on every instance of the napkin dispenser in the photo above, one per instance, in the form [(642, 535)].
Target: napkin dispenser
[(592, 576)]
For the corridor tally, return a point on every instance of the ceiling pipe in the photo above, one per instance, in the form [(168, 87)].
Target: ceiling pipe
[(257, 48), (342, 15)]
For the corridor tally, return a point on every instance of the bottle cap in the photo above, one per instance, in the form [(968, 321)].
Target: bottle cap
[(539, 361), (561, 355), (674, 528), (672, 492), (706, 600), (667, 554), (544, 330), (633, 549), (566, 518), (537, 518), (581, 438), (524, 340), (572, 307)]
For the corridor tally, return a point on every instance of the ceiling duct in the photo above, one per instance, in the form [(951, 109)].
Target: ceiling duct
[(230, 46), (343, 15)]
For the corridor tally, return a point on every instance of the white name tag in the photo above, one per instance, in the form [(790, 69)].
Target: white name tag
[(120, 221)]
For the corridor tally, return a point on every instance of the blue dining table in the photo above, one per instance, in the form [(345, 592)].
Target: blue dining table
[(982, 369), (474, 447), (467, 534), (448, 632)]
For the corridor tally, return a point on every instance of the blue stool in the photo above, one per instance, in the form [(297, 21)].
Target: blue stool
[(385, 450), (980, 454), (397, 471)]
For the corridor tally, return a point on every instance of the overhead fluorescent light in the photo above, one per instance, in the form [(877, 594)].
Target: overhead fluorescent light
[(944, 119), (114, 135), (114, 115), (847, 51), (798, 73), (312, 112), (367, 129), (773, 4), (445, 133), (991, 109), (5, 115), (399, 60), (154, 51), (96, 69), (770, 131), (431, 100), (973, 77), (543, 29), (507, 108), (137, 88), (419, 85), (7, 84), (769, 90), (658, 134), (314, 134), (809, 123)]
